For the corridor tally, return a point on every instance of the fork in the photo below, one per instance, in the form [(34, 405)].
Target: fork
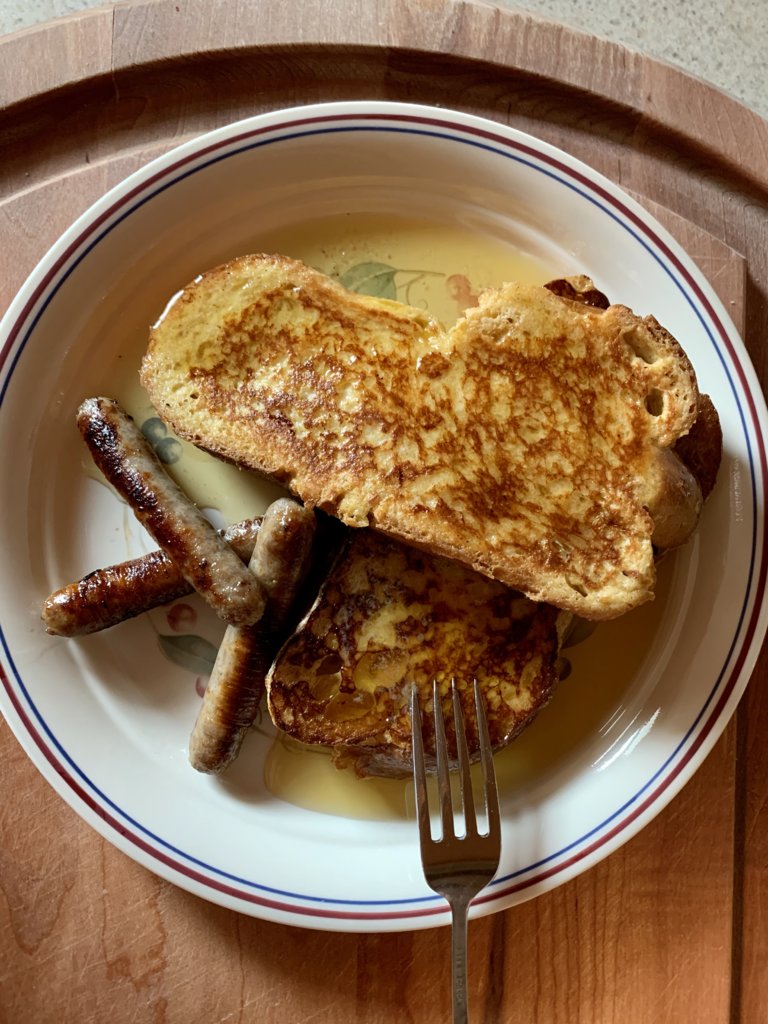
[(456, 867)]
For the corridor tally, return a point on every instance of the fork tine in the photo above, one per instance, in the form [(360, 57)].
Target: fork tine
[(443, 773), (467, 798), (419, 771), (489, 772)]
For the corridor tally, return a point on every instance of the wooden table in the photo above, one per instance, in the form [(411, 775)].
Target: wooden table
[(674, 926)]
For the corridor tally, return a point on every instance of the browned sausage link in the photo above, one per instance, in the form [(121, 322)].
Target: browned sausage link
[(108, 596), (281, 558), (203, 558)]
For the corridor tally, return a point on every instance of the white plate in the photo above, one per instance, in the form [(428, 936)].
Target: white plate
[(106, 718)]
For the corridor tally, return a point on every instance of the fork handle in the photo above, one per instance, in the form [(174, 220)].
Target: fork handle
[(459, 911)]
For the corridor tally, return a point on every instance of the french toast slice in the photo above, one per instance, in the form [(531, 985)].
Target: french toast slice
[(390, 617), (533, 441)]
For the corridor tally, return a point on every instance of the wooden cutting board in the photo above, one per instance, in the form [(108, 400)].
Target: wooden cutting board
[(672, 927)]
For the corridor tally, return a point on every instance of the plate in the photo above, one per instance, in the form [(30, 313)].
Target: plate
[(426, 204)]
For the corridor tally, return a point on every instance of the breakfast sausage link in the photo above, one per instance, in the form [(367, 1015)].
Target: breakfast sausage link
[(111, 595), (200, 554), (281, 559)]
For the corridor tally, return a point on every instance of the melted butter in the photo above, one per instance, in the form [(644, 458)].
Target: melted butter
[(441, 268), (591, 701), (305, 776)]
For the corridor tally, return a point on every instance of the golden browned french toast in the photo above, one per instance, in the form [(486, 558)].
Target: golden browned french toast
[(533, 441), (391, 616), (700, 450)]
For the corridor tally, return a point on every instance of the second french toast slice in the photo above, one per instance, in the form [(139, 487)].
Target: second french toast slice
[(390, 617)]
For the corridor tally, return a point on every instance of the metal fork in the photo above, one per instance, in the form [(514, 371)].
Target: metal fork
[(456, 867)]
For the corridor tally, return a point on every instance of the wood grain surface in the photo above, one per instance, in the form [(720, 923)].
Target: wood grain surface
[(671, 928)]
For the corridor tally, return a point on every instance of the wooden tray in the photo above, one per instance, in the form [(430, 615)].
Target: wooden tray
[(671, 927)]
